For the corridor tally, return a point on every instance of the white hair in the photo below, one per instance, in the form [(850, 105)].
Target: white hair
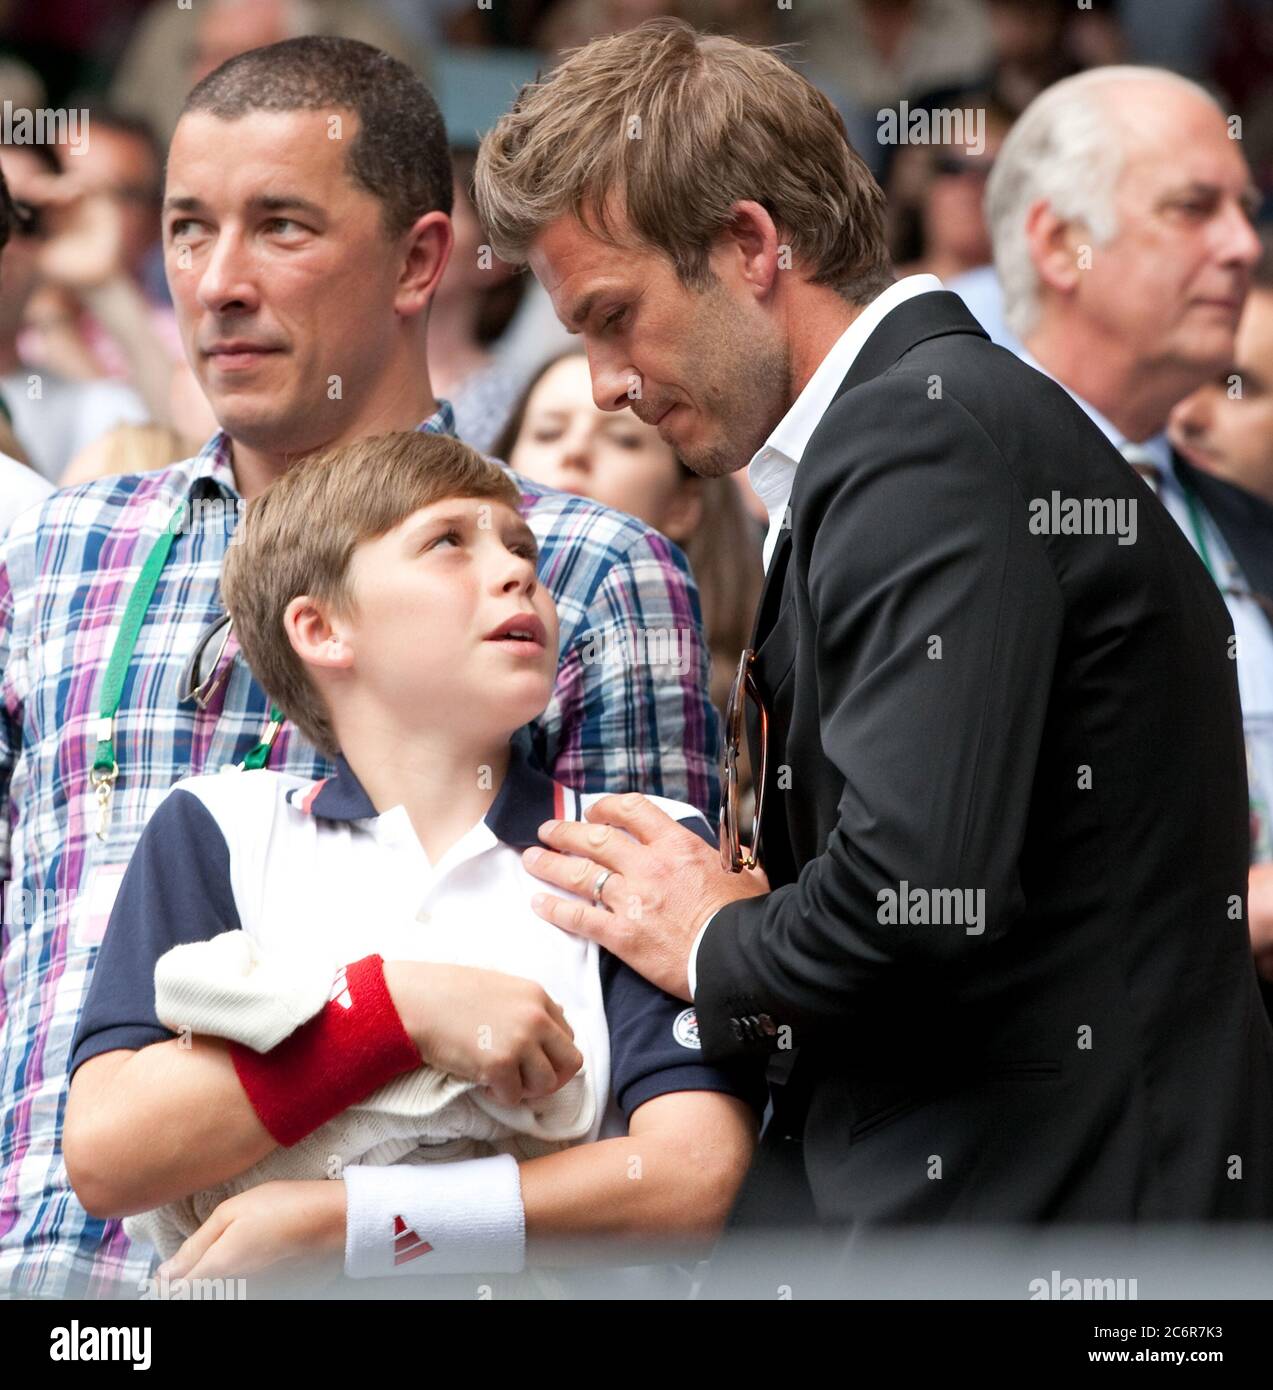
[(1066, 148)]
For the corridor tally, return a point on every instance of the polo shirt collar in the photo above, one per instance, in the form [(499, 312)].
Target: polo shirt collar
[(526, 799), (339, 797)]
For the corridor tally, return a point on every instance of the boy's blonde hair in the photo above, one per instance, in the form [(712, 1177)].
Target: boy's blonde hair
[(298, 537)]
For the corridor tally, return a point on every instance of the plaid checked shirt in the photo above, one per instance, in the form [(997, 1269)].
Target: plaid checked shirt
[(617, 722)]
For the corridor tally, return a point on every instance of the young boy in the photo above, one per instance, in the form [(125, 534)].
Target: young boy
[(386, 596)]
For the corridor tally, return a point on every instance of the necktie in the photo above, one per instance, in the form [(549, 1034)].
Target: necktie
[(1143, 462)]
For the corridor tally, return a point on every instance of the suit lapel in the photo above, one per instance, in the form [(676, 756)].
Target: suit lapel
[(914, 321), (772, 590)]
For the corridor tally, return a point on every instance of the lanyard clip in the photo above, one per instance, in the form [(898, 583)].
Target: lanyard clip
[(258, 755), (103, 783)]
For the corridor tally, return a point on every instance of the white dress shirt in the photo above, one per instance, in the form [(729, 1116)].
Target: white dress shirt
[(772, 470)]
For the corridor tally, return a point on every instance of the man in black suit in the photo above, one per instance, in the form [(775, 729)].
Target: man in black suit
[(1000, 962), (1120, 211)]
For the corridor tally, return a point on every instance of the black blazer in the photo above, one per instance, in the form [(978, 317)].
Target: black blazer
[(959, 702)]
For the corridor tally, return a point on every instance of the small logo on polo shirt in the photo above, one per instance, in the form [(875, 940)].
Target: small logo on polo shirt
[(685, 1029), (340, 990)]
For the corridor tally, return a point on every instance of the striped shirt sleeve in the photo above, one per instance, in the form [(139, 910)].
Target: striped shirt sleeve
[(10, 734), (640, 669)]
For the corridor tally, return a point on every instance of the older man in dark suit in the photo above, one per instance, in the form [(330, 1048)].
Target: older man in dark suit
[(1121, 207)]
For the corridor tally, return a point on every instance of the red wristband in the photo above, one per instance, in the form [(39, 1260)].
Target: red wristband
[(332, 1062)]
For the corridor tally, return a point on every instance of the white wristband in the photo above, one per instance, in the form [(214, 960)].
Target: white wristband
[(462, 1217)]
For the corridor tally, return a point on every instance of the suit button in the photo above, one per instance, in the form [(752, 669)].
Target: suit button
[(768, 1025), (737, 1027)]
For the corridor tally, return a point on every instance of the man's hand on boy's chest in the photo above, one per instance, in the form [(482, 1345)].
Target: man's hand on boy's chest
[(663, 882)]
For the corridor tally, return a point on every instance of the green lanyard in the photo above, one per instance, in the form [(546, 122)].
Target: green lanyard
[(1199, 534), (105, 770)]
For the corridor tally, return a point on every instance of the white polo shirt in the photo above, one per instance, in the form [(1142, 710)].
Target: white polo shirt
[(302, 865)]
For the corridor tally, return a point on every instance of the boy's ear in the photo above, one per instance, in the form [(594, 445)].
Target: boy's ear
[(314, 639)]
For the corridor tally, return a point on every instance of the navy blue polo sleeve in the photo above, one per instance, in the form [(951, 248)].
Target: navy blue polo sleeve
[(654, 1046), (175, 890)]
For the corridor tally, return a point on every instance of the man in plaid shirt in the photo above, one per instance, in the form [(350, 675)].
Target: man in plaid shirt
[(305, 229)]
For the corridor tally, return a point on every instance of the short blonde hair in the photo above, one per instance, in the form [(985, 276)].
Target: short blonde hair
[(676, 127), (299, 536)]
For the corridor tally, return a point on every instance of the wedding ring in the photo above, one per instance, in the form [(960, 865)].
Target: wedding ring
[(598, 885)]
